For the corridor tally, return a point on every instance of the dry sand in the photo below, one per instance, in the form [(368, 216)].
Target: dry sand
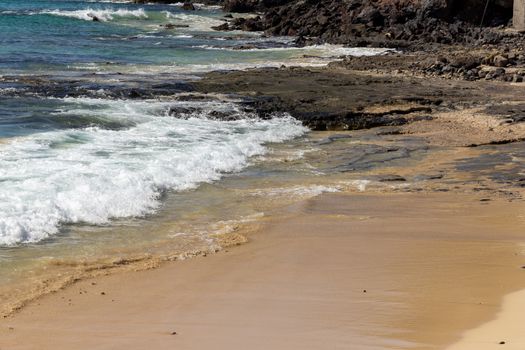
[(507, 331), (338, 271)]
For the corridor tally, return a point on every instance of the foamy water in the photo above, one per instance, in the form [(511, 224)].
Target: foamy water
[(92, 175), (90, 14)]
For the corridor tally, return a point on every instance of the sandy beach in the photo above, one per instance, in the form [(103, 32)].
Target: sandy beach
[(339, 271)]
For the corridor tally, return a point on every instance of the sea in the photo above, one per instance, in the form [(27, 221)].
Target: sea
[(99, 174)]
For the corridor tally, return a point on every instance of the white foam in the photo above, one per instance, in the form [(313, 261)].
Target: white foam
[(195, 22), (103, 15), (199, 6), (360, 185), (297, 191), (93, 175), (325, 50)]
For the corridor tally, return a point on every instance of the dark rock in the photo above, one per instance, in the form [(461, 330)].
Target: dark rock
[(359, 22), (253, 25), (188, 6), (173, 26), (223, 27), (240, 6), (498, 72)]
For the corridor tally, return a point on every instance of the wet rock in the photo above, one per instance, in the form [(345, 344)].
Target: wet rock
[(173, 26), (188, 6), (177, 111), (252, 24), (222, 27)]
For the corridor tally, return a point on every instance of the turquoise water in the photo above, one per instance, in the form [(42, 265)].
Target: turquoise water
[(39, 36)]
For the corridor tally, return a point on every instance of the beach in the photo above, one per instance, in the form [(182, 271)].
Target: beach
[(185, 178), (408, 235), (335, 272)]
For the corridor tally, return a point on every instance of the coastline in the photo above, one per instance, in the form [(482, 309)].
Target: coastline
[(405, 319), (336, 270), (394, 225)]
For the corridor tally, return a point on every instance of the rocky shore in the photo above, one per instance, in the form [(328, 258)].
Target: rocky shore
[(360, 93), (446, 55)]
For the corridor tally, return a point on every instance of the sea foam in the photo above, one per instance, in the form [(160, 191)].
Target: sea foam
[(92, 175), (102, 15)]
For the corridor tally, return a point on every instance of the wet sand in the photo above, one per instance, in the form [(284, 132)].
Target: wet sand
[(339, 271)]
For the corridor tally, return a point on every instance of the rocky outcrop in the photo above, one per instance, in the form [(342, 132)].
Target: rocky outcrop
[(442, 21), (377, 22)]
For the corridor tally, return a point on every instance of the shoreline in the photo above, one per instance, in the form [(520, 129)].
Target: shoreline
[(360, 283), (408, 238), (439, 111), (504, 329)]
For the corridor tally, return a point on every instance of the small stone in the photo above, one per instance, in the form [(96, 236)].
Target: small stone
[(102, 293), (516, 78), (501, 343), (364, 290), (173, 333)]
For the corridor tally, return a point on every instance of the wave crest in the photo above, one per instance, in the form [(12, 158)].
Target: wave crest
[(93, 175), (102, 15)]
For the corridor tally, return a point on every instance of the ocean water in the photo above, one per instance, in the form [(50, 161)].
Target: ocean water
[(88, 174)]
